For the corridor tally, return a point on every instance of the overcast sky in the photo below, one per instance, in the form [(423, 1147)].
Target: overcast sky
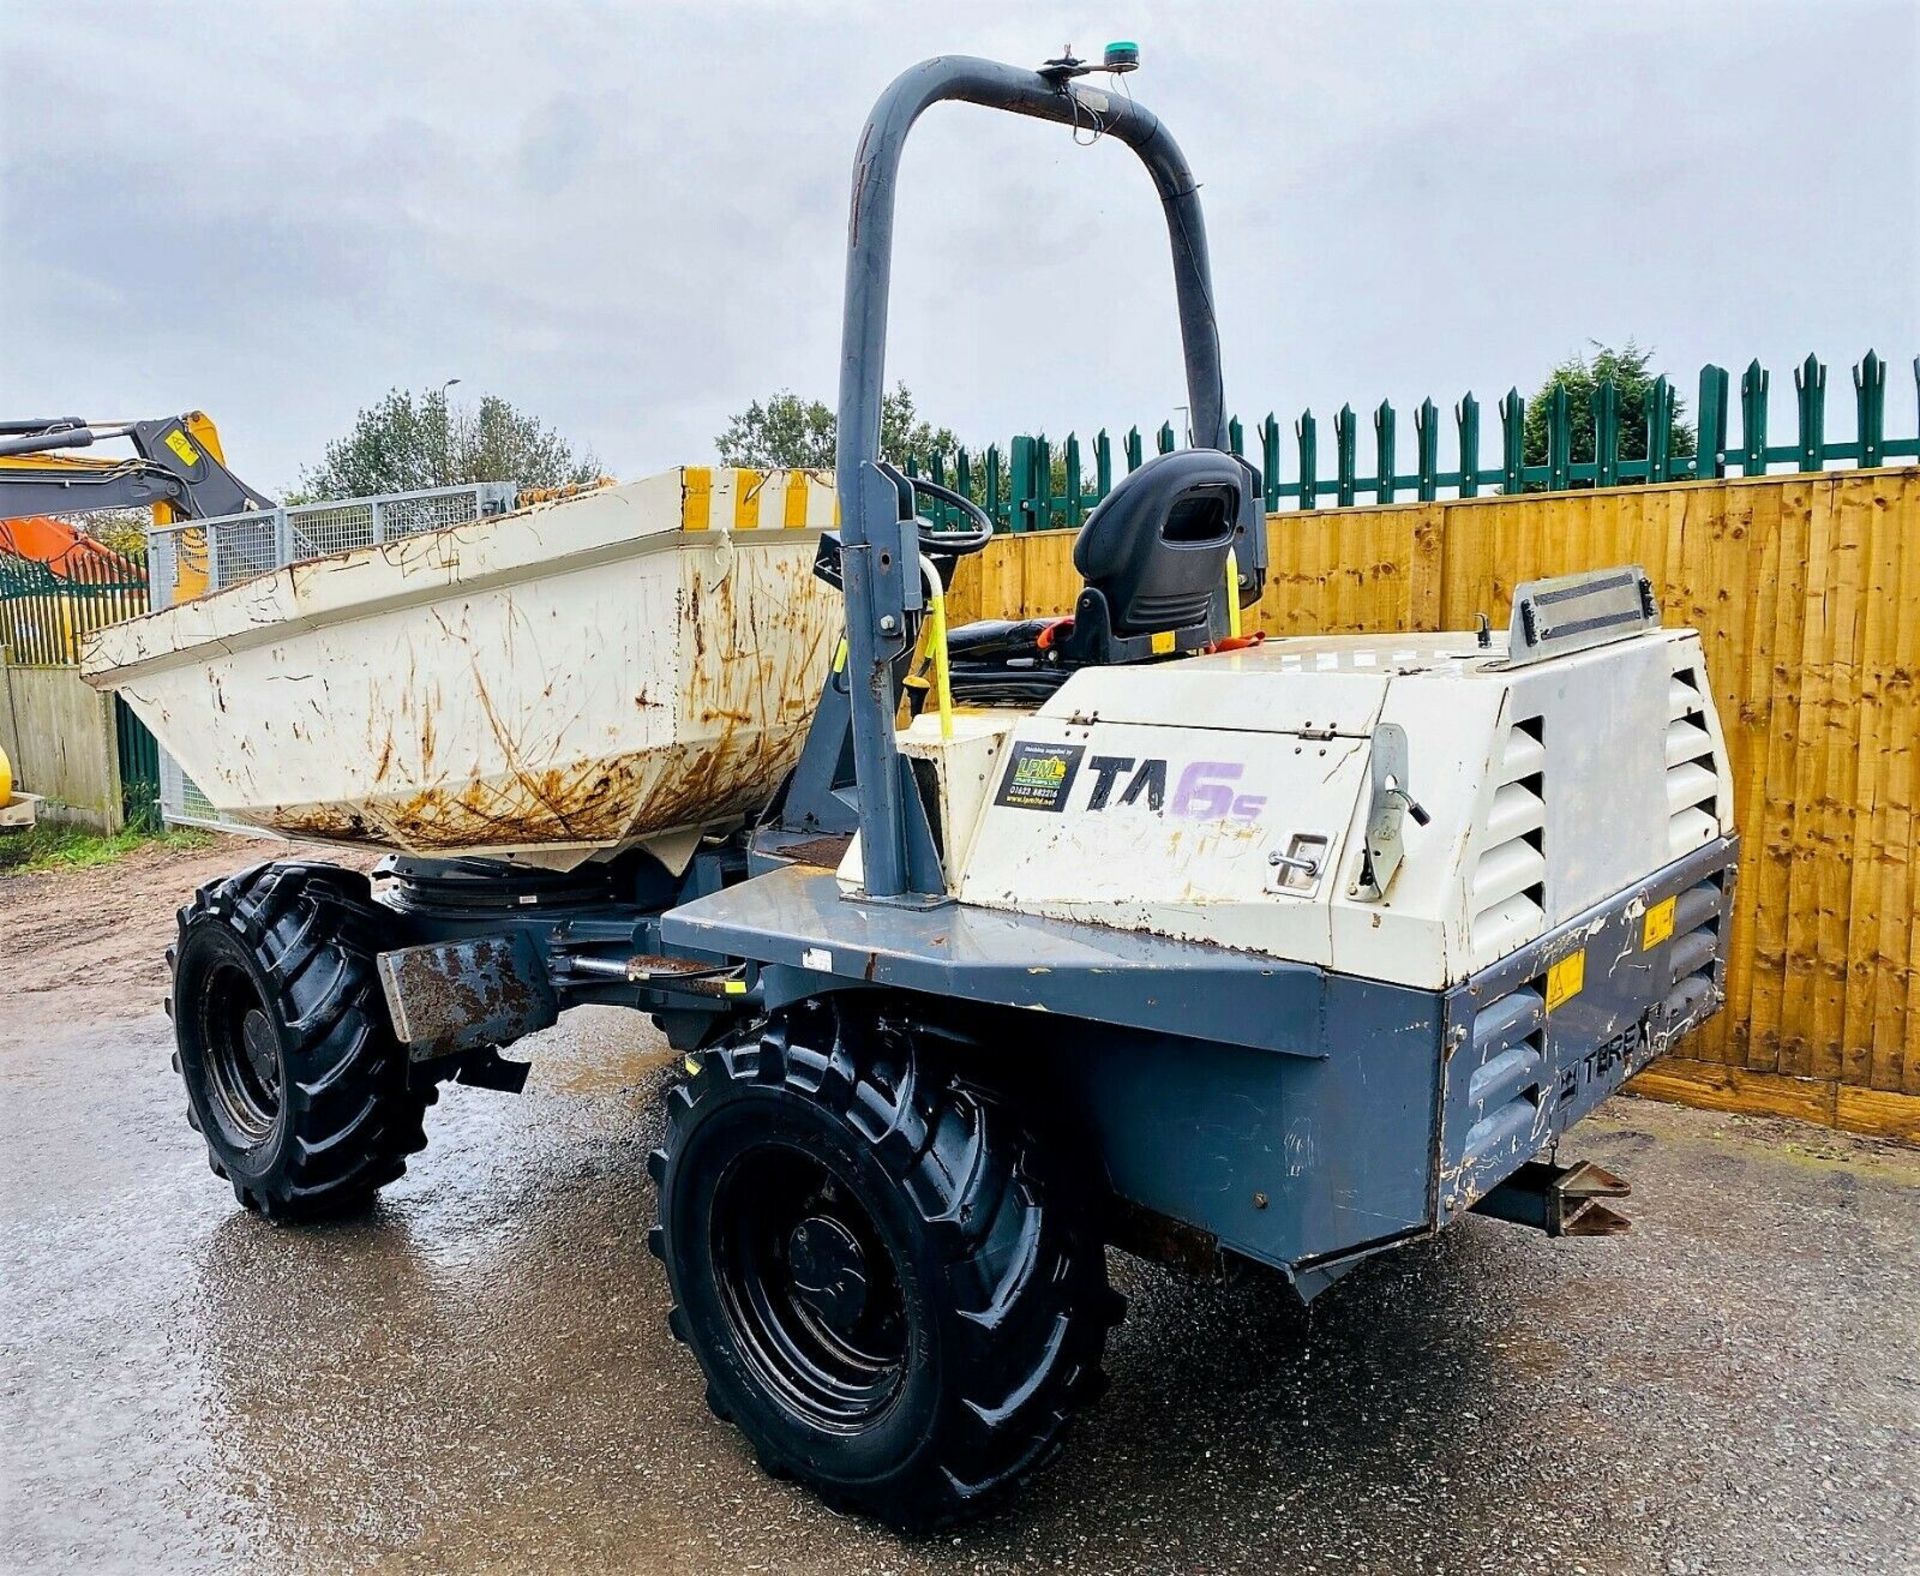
[(630, 219)]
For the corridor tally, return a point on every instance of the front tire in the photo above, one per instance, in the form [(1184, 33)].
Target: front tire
[(888, 1293), (293, 1075)]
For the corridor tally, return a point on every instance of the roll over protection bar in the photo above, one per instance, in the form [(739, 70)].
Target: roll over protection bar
[(881, 559)]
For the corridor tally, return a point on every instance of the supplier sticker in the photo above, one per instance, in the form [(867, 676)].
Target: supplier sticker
[(1565, 978), (1658, 925), (1162, 642), (1039, 776), (182, 446)]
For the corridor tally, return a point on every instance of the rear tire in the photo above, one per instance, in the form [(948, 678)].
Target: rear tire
[(888, 1295), (293, 1075)]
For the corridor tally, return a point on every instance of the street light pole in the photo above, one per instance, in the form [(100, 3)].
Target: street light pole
[(446, 435)]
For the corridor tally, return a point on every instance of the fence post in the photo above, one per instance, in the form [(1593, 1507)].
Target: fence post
[(1710, 418), (1606, 434), (1753, 419), (937, 473), (1308, 435), (1559, 439), (1426, 449), (1513, 443), (1346, 448), (1236, 438), (1136, 456), (1020, 485), (1383, 425), (1810, 387), (1466, 418), (1870, 395), (1073, 478), (1103, 463), (996, 488), (1270, 462), (1043, 495), (1164, 437), (1660, 430)]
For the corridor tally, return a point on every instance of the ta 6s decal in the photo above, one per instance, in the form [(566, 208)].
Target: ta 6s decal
[(1204, 791)]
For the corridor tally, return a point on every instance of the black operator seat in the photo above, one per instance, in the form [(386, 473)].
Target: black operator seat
[(1153, 555)]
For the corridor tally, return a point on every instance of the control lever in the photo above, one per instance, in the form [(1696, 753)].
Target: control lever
[(1388, 807)]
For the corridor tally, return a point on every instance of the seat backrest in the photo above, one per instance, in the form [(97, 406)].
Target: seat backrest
[(1156, 546)]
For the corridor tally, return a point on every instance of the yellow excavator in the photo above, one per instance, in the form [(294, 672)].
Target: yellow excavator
[(178, 470)]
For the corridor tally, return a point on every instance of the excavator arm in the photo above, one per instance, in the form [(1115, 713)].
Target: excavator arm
[(178, 471)]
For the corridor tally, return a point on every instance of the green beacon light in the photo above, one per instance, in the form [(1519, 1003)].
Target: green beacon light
[(1123, 54)]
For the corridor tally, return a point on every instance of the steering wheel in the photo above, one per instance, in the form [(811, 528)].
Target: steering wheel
[(953, 544)]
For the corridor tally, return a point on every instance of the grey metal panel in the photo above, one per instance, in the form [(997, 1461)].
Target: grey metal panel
[(1574, 612), (1283, 1159), (1517, 1076), (797, 917)]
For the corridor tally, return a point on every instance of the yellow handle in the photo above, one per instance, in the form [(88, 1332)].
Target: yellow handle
[(942, 685), (1233, 595), (934, 635)]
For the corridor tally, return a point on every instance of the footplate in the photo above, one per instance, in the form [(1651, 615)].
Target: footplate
[(1562, 1201)]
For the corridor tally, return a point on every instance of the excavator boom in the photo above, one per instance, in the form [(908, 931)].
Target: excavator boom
[(178, 471)]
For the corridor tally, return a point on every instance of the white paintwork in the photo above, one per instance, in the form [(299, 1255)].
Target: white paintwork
[(1619, 743), (620, 667)]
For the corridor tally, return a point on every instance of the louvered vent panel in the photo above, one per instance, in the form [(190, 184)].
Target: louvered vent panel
[(1508, 892), (1505, 1091), (1693, 955), (1693, 811)]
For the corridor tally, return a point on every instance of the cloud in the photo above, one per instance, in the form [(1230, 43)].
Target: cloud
[(631, 220)]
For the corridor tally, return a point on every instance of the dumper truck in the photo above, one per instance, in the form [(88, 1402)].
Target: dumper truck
[(981, 950)]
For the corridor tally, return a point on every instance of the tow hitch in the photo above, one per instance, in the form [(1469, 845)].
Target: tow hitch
[(1562, 1201)]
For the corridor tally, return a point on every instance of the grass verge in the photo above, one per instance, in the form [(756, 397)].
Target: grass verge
[(60, 845)]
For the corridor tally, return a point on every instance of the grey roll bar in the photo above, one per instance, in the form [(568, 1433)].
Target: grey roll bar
[(880, 561)]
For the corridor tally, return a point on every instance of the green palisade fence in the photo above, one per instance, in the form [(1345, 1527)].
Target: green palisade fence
[(139, 768), (1034, 484), (44, 613)]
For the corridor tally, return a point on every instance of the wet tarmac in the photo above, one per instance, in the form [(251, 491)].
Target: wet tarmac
[(478, 1374)]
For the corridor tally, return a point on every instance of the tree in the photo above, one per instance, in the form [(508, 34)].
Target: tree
[(406, 444), (1628, 370), (123, 530), (786, 431)]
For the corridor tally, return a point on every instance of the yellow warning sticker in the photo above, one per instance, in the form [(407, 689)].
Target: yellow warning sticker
[(182, 445), (1565, 978), (696, 497), (1658, 926), (1162, 642)]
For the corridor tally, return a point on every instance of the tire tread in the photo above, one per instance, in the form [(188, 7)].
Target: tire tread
[(1026, 1292)]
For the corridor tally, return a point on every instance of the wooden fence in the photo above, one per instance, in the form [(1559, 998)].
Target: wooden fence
[(1806, 590)]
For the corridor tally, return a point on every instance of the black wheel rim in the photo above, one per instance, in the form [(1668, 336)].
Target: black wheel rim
[(810, 1287), (242, 1051)]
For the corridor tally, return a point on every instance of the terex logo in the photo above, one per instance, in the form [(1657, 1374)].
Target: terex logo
[(1204, 792)]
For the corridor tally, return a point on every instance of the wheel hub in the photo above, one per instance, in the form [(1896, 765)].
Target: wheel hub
[(263, 1054), (241, 1048), (811, 1289), (829, 1269)]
